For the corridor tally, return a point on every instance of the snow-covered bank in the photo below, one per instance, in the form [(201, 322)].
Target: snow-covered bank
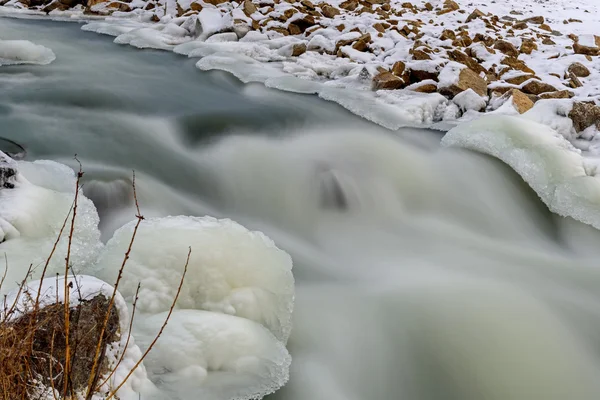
[(385, 60)]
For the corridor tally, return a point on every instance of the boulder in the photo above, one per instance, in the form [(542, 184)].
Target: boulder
[(561, 94), (520, 79), (586, 50), (425, 88), (399, 68), (475, 15), (528, 46), (362, 44), (249, 7), (298, 49), (349, 5), (467, 79), (535, 20), (507, 48), (329, 11), (579, 70), (537, 87), (387, 81), (520, 100), (585, 115)]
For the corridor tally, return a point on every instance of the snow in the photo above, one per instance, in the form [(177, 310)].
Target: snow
[(24, 52), (199, 350), (32, 214), (469, 100), (231, 270), (558, 172)]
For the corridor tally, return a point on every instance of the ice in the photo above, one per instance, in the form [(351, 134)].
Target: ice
[(85, 288), (24, 52), (231, 270), (565, 180), (213, 356), (32, 214), (450, 74), (245, 68), (213, 21)]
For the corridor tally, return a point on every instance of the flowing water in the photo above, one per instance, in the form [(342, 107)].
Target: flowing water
[(421, 273)]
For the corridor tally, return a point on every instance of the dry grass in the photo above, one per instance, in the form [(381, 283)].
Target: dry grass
[(57, 351)]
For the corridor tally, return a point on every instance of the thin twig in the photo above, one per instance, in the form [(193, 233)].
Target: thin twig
[(67, 368), (114, 392), (95, 365), (114, 369)]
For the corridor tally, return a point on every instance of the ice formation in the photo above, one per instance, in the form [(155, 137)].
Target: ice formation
[(34, 203), (565, 180), (200, 351), (24, 52), (231, 270)]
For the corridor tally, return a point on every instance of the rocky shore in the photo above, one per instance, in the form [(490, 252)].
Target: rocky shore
[(480, 57)]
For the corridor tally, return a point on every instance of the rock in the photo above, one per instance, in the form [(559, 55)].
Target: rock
[(548, 41), (303, 23), (574, 81), (387, 81), (329, 11), (538, 87), (585, 115), (507, 48), (520, 25), (452, 5), (474, 15), (425, 88), (467, 79), (448, 34), (420, 55), (535, 20), (579, 70), (515, 63), (586, 50), (528, 46), (517, 80), (196, 6), (428, 6), (117, 5), (463, 58), (362, 44), (8, 172), (298, 49), (520, 100), (561, 94), (349, 5), (307, 4), (249, 8), (399, 68), (418, 75), (546, 27), (379, 27)]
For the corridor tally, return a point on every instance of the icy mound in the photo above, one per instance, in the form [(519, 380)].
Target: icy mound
[(34, 202), (231, 270), (84, 289), (24, 52), (566, 181), (213, 356)]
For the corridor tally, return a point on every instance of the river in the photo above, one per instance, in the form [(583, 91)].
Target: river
[(422, 273)]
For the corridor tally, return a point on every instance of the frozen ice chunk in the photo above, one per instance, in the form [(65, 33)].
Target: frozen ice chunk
[(565, 180), (213, 356), (33, 207), (24, 52), (231, 270)]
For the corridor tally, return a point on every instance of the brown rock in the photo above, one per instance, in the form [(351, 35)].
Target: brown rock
[(249, 8), (417, 75), (585, 115), (452, 5), (196, 6), (280, 29), (298, 49), (586, 50), (517, 80), (538, 87), (546, 27), (117, 5), (468, 79), (548, 41), (520, 100), (579, 70), (448, 34), (507, 48), (349, 5), (426, 88), (528, 46), (474, 15), (308, 4), (387, 81), (561, 94), (515, 63), (362, 44), (329, 11), (379, 27), (459, 56), (428, 6), (398, 68), (420, 55), (535, 20), (520, 25)]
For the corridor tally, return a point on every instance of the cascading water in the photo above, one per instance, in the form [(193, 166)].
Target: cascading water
[(421, 272)]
